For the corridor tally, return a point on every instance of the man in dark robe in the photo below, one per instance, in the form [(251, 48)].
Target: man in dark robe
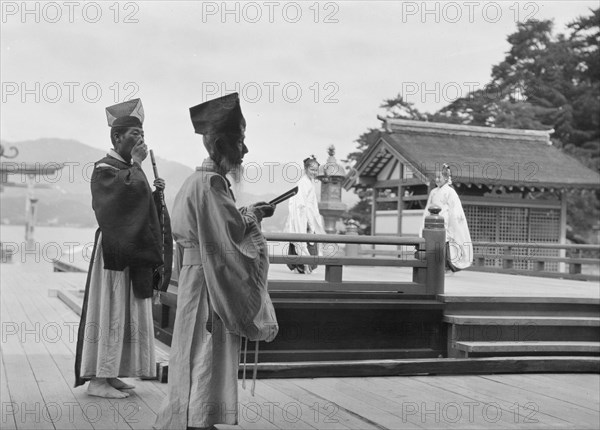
[(116, 336)]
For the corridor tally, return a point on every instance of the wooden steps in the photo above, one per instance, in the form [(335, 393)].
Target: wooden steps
[(582, 348), (522, 320), (522, 326)]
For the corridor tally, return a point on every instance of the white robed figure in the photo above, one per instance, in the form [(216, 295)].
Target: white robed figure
[(304, 216), (459, 248), (221, 264)]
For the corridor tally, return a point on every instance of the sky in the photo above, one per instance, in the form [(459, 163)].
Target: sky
[(310, 74)]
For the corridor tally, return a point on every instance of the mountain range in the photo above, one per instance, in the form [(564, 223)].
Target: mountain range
[(63, 197)]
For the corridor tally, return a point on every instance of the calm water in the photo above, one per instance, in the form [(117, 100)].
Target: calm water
[(50, 243)]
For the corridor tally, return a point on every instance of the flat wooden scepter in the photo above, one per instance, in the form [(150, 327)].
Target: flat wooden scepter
[(284, 196), (153, 164)]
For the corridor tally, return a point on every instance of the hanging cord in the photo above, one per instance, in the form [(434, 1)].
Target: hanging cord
[(245, 341), (255, 371)]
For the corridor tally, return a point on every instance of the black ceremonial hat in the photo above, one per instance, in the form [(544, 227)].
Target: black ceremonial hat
[(126, 114), (221, 115)]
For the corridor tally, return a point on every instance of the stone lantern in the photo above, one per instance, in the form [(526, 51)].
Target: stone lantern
[(331, 175)]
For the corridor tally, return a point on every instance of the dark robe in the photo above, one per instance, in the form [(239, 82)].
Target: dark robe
[(127, 215)]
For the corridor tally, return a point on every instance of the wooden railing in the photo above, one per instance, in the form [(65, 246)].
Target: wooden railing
[(583, 263), (426, 259), (511, 254)]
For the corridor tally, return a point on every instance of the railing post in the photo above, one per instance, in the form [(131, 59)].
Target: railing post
[(352, 248), (575, 268), (539, 266), (508, 262), (434, 234), (333, 273)]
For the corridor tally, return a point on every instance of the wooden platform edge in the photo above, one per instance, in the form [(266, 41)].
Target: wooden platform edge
[(441, 366), (539, 274), (462, 299), (433, 366), (69, 298)]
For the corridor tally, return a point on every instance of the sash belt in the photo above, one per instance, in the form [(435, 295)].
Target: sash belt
[(192, 257)]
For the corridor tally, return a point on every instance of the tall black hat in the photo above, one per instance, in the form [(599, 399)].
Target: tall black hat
[(126, 114), (221, 115)]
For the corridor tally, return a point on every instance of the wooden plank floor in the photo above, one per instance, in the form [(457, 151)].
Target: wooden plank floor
[(36, 383)]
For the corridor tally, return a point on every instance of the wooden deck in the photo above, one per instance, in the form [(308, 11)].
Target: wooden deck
[(36, 380)]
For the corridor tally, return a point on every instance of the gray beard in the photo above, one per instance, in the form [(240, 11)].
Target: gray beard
[(237, 184)]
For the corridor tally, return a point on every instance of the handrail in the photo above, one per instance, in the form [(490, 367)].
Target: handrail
[(336, 238), (509, 255), (412, 241), (592, 247)]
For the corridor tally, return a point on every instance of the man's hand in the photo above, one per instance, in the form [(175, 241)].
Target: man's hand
[(262, 210), (139, 152), (159, 184)]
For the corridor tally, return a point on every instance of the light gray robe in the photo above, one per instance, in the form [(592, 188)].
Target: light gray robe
[(223, 250)]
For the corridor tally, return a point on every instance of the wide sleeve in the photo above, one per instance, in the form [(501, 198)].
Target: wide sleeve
[(315, 220), (458, 232), (456, 215), (297, 217), (124, 207), (234, 255)]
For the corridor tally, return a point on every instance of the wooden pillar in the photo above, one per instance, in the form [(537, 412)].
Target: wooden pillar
[(400, 192), (373, 209), (563, 228), (400, 208), (30, 214), (434, 234)]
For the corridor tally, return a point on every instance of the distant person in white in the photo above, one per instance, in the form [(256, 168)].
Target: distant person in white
[(459, 248), (304, 216)]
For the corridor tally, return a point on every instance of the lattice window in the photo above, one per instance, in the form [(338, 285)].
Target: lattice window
[(545, 228), (512, 227), (482, 222), (514, 224), (545, 225)]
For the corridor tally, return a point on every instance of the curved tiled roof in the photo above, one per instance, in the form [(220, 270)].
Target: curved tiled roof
[(481, 155)]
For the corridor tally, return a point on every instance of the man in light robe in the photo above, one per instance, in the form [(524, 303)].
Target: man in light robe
[(116, 333), (220, 251), (459, 248), (304, 217)]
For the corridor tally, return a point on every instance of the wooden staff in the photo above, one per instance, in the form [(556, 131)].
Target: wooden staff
[(162, 218)]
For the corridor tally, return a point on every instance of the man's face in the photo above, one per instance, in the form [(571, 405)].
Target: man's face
[(235, 149), (126, 141)]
